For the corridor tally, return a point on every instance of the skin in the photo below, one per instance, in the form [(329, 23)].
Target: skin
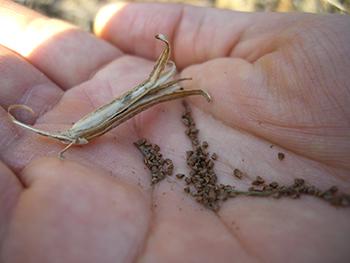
[(275, 79)]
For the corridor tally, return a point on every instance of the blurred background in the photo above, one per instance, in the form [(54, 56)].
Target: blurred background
[(82, 12)]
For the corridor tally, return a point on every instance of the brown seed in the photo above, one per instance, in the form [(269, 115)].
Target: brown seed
[(214, 156), (258, 181), (198, 185), (237, 173), (210, 164), (205, 144), (333, 189), (273, 184), (206, 179), (156, 148), (189, 154), (147, 144), (187, 189), (280, 156), (299, 182), (188, 180), (180, 176), (186, 121), (154, 180), (192, 131)]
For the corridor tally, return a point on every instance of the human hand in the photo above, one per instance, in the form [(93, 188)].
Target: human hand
[(275, 79)]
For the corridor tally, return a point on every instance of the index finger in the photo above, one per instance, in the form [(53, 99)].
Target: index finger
[(131, 27), (196, 34)]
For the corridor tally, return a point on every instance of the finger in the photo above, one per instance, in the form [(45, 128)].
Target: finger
[(131, 27), (286, 115), (22, 83), (66, 54), (10, 188), (196, 34)]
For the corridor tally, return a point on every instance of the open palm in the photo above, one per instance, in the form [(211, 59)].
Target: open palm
[(275, 80)]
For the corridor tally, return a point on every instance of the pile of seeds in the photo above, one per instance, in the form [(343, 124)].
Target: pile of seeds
[(154, 160), (202, 180), (202, 183), (294, 191)]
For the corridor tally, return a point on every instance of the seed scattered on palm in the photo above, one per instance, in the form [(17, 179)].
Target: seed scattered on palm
[(202, 181)]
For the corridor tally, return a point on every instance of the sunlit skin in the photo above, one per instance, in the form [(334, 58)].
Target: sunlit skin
[(275, 79)]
